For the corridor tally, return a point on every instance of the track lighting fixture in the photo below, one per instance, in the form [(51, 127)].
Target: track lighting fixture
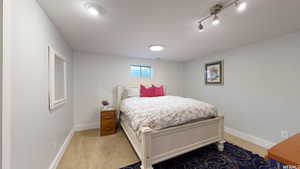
[(217, 9), (200, 27), (216, 20)]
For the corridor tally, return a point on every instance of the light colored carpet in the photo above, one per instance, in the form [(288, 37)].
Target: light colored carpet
[(88, 150)]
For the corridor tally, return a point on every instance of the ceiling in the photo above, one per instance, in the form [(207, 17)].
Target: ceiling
[(127, 27)]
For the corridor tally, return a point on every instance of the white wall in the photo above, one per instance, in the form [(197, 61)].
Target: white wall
[(1, 77), (34, 130), (261, 92), (95, 78)]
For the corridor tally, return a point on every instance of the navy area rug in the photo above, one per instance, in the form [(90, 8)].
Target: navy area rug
[(233, 157)]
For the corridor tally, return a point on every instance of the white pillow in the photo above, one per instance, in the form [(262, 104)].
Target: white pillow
[(133, 92)]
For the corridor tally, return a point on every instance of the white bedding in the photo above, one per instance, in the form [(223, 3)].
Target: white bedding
[(166, 111)]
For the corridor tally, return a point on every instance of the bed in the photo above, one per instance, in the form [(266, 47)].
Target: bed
[(165, 127)]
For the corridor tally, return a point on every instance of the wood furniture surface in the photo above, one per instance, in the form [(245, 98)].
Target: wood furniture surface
[(287, 152), (108, 122)]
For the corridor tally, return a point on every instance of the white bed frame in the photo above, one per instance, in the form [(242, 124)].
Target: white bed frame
[(159, 145)]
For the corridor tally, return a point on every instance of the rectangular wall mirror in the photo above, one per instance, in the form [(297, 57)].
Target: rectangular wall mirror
[(57, 79)]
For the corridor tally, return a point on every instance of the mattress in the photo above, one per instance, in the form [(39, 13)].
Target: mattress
[(163, 112)]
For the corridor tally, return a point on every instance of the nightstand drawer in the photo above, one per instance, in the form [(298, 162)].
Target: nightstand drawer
[(108, 113), (107, 117), (105, 123), (108, 128)]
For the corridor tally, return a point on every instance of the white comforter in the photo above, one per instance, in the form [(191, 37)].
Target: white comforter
[(163, 112)]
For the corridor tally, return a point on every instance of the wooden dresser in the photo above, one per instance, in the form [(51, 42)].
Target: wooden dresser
[(108, 122), (287, 152)]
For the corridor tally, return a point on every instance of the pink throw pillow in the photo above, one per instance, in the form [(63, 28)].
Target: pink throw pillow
[(146, 92), (158, 91)]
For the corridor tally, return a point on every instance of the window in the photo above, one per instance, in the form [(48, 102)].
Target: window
[(139, 71)]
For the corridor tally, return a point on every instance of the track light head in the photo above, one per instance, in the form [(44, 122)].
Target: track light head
[(200, 27), (92, 9), (241, 6), (216, 20)]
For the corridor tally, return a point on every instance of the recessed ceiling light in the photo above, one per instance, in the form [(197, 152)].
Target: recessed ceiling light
[(92, 9), (242, 6), (156, 48), (216, 20)]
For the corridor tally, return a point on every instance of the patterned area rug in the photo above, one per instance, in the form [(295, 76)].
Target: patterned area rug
[(209, 157)]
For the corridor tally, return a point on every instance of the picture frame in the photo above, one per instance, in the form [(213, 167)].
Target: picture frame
[(214, 73), (57, 79)]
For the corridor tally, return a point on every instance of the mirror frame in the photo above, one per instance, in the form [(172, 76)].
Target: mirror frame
[(53, 103)]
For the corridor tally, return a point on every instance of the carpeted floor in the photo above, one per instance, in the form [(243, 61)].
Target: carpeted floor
[(209, 157)]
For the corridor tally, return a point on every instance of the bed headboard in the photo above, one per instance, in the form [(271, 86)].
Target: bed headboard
[(122, 94)]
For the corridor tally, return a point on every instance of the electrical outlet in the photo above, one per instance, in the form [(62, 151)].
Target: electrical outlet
[(284, 134)]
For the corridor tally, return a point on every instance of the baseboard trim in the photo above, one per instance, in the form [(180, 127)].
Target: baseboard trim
[(250, 138), (86, 126), (62, 150)]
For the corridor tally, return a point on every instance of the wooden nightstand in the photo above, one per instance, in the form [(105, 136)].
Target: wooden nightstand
[(108, 122)]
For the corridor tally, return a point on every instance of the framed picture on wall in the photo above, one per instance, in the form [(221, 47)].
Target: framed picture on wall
[(214, 73)]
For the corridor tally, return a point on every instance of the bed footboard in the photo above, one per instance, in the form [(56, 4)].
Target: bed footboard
[(157, 146), (146, 148)]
